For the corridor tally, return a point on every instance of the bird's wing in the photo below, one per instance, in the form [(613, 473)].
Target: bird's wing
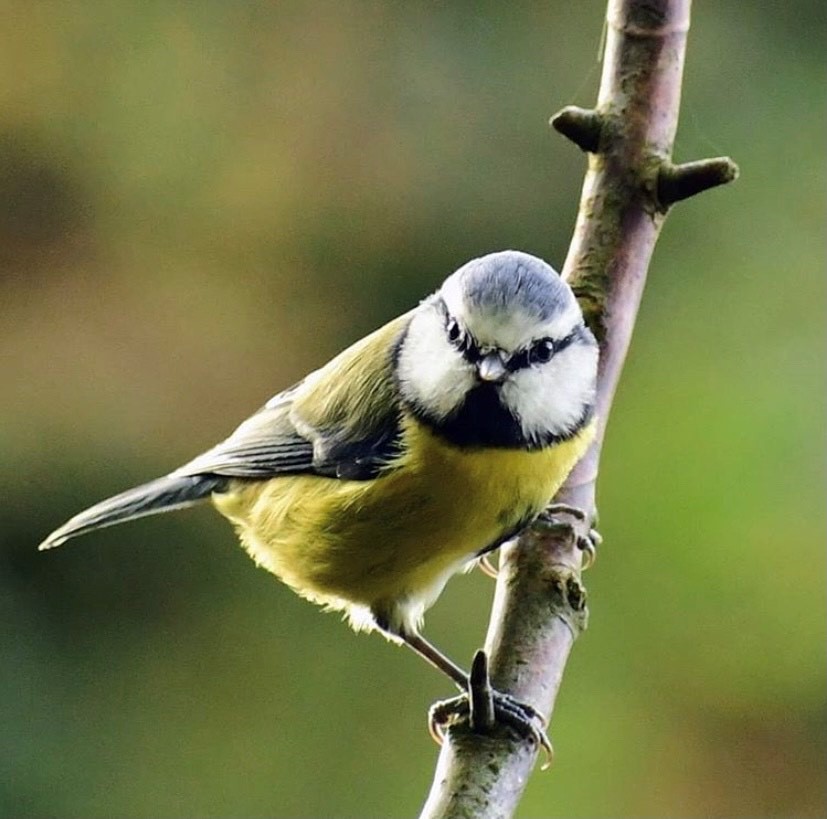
[(341, 421)]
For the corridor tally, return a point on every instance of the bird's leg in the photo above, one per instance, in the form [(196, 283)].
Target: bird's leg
[(478, 701), (586, 538), (431, 654)]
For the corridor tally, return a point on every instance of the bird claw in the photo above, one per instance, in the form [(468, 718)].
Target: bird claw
[(551, 512), (586, 541), (588, 544), (521, 718), (487, 567)]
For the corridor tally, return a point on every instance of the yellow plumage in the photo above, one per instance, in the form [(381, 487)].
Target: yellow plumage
[(389, 545)]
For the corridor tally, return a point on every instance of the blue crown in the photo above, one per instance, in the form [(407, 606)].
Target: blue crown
[(512, 280)]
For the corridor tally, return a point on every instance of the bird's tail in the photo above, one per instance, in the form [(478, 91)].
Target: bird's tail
[(162, 495)]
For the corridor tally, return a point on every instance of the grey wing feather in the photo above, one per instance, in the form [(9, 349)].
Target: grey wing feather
[(161, 495), (269, 444), (265, 445), (342, 421)]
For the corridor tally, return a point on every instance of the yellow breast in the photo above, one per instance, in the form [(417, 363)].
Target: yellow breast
[(388, 545)]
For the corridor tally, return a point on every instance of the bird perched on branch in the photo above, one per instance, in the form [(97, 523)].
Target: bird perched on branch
[(423, 446)]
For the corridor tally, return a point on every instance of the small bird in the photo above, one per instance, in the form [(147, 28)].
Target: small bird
[(406, 458)]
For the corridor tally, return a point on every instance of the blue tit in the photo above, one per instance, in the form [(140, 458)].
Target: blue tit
[(418, 449)]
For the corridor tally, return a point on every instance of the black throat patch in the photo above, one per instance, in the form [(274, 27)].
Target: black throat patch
[(483, 421)]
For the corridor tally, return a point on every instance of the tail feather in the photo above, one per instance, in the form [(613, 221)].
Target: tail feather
[(161, 495)]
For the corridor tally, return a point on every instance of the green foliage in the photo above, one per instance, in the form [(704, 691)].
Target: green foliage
[(201, 202)]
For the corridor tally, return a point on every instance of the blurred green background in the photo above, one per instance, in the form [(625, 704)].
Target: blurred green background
[(201, 202)]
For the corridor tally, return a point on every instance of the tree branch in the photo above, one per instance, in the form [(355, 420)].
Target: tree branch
[(539, 606)]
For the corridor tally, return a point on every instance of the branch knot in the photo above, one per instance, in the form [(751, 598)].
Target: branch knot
[(583, 126), (678, 182), (568, 599)]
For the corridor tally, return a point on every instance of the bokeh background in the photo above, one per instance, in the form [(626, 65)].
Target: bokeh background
[(201, 202)]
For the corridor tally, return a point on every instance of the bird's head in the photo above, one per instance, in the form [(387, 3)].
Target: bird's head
[(500, 355)]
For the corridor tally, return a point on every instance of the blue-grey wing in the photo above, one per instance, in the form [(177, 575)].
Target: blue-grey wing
[(265, 445), (342, 421)]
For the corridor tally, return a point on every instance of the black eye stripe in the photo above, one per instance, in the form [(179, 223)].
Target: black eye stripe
[(470, 349), (462, 340), (542, 350), (564, 342), (539, 352), (518, 361)]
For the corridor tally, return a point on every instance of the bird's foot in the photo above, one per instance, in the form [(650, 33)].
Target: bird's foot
[(482, 707), (562, 517), (521, 718)]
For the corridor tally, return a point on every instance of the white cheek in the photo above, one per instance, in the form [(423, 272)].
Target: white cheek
[(552, 397), (562, 323), (431, 372)]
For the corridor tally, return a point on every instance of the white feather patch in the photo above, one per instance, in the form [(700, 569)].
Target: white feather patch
[(551, 397), (431, 371)]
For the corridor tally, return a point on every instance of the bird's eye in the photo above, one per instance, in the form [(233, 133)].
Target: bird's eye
[(541, 351), (453, 330)]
